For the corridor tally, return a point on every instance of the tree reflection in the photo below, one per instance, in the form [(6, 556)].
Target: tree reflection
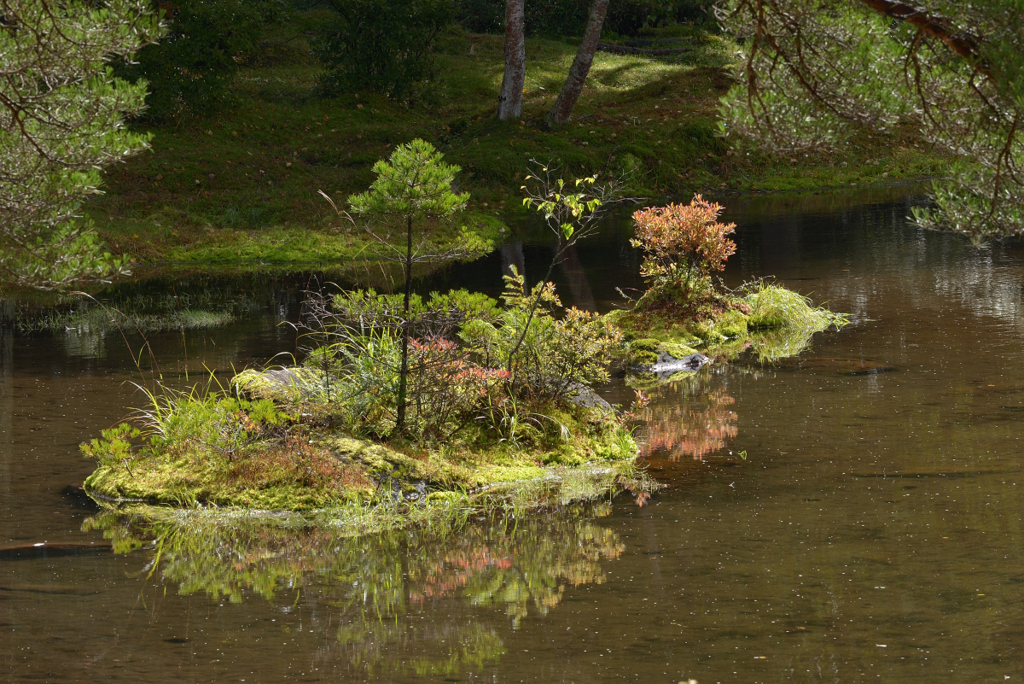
[(379, 587), (689, 417)]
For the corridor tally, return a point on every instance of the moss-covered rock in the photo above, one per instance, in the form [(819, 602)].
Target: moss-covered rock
[(772, 321)]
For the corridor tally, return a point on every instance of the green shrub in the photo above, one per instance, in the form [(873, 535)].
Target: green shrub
[(381, 45), (361, 361), (191, 69), (556, 354)]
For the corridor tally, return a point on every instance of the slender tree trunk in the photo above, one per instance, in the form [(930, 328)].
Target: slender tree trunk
[(403, 373), (510, 364), (510, 101), (562, 110)]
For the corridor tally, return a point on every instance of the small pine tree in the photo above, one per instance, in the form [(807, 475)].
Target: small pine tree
[(413, 186)]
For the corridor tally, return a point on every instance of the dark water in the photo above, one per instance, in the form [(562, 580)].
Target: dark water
[(850, 515)]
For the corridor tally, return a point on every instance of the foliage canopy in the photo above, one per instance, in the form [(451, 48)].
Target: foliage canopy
[(380, 45), (814, 73), (191, 69), (61, 122)]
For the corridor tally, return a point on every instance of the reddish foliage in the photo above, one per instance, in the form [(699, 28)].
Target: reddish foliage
[(295, 460), (684, 232), (692, 430), (446, 386), (683, 244)]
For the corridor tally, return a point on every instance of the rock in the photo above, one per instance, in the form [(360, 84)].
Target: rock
[(581, 395), (668, 365)]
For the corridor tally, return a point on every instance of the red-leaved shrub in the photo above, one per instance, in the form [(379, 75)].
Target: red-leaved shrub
[(683, 245)]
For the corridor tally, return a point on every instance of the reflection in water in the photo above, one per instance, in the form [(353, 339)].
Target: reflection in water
[(6, 401), (690, 417), (380, 587), (873, 533), (576, 276)]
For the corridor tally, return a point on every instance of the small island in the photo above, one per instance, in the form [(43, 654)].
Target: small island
[(407, 407)]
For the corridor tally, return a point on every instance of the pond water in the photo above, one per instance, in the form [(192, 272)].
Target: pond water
[(853, 514)]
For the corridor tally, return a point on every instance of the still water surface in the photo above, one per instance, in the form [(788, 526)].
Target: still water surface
[(850, 515)]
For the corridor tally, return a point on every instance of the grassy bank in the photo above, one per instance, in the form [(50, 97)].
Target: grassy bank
[(239, 188)]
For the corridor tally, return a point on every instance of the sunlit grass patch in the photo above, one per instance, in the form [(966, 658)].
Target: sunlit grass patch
[(773, 306), (255, 167)]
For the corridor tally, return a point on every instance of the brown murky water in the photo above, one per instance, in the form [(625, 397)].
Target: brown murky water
[(850, 515)]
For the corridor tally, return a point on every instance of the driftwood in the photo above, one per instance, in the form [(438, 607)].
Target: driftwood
[(627, 50)]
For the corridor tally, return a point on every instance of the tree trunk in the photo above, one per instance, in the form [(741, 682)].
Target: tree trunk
[(560, 113), (510, 101), (403, 373)]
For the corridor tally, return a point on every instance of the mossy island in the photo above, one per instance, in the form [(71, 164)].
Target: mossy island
[(407, 407)]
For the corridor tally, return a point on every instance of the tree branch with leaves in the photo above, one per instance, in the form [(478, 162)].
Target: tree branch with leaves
[(62, 116), (813, 73), (571, 211)]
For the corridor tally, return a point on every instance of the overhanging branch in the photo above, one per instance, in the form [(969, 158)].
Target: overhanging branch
[(939, 27)]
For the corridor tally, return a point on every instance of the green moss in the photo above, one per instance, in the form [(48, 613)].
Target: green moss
[(732, 323), (185, 481), (365, 473), (380, 462), (780, 323), (676, 350), (640, 357), (647, 344)]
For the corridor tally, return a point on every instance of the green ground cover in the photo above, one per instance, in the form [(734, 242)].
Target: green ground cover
[(239, 188), (769, 322)]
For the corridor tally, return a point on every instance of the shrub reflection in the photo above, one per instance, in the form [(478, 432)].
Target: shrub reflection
[(379, 586), (689, 417)]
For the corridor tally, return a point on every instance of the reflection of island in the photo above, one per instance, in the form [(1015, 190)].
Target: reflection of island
[(689, 418), (379, 587)]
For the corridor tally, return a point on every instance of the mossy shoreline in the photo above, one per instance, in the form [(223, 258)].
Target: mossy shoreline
[(320, 476), (324, 477), (769, 322)]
